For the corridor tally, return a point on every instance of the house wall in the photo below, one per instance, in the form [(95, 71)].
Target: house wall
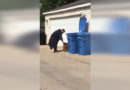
[(77, 12)]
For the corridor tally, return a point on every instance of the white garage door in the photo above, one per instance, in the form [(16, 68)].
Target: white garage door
[(70, 24)]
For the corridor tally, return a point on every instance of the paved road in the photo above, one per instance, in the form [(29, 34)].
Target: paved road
[(19, 68), (63, 71)]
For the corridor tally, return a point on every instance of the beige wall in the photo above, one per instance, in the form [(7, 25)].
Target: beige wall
[(83, 11)]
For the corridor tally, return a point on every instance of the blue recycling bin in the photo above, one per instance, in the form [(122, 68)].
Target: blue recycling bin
[(72, 43), (79, 42), (84, 43), (82, 24)]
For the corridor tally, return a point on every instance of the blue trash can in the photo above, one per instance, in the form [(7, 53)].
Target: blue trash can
[(72, 43), (84, 43), (82, 24), (77, 42)]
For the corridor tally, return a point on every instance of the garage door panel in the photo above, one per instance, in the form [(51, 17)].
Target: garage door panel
[(69, 24)]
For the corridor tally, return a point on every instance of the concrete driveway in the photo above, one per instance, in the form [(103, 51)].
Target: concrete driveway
[(64, 71)]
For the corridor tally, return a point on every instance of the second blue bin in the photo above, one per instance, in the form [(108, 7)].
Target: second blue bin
[(84, 43), (72, 43)]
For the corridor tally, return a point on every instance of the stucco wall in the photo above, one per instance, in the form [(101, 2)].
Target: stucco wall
[(77, 12)]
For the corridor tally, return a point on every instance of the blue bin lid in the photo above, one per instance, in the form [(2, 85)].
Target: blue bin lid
[(82, 24), (83, 34), (71, 34)]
